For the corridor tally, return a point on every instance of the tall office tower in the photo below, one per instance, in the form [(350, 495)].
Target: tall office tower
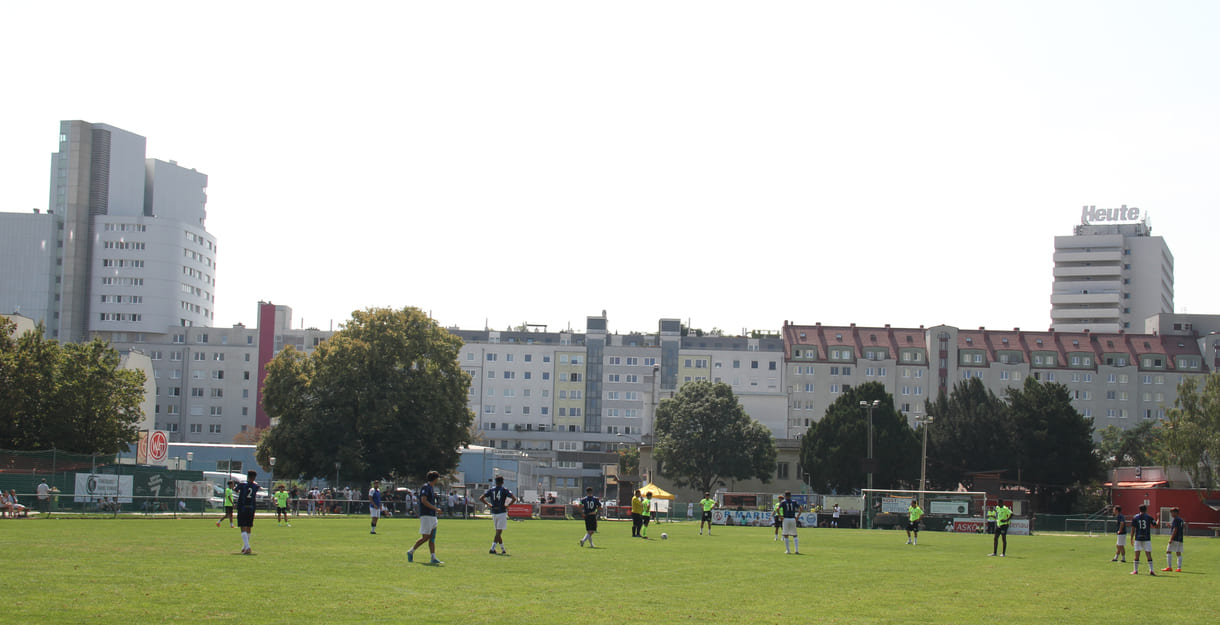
[(132, 251), (1111, 274)]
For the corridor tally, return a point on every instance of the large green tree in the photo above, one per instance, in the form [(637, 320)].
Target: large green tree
[(834, 450), (1053, 442), (1141, 445), (68, 396), (970, 432), (703, 435), (1192, 430), (383, 396)]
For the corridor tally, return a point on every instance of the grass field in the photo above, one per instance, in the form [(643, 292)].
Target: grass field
[(331, 570)]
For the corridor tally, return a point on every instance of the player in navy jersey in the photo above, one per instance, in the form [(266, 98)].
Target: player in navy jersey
[(428, 510), (1177, 530), (1120, 550), (247, 493), (498, 499), (790, 509), (590, 506), (1141, 538)]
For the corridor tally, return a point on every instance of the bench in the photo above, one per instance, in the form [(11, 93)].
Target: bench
[(1215, 530)]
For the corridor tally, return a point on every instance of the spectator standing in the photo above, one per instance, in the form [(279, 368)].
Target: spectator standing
[(44, 497)]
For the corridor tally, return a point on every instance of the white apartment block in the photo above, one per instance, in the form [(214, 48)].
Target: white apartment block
[(1111, 274), (1116, 379), (121, 248)]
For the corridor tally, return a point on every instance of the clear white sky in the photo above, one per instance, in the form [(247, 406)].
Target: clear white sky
[(734, 164)]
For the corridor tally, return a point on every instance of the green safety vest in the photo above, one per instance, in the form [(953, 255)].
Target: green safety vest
[(1003, 513), (647, 511), (707, 504), (229, 497), (991, 514), (915, 513)]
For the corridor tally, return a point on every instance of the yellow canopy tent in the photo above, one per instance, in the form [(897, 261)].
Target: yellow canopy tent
[(658, 493)]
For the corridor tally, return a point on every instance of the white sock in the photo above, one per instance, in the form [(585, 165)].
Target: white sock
[(1179, 561), (796, 542), (245, 539), (915, 541), (787, 546), (1169, 560)]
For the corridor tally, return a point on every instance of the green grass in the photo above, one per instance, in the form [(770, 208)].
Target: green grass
[(331, 570)]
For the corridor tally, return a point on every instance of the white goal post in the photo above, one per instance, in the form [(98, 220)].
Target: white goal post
[(946, 510)]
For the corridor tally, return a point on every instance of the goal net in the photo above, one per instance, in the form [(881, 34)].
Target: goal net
[(950, 511)]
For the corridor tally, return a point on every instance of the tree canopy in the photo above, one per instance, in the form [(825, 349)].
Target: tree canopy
[(834, 450), (1192, 430), (703, 435), (970, 432), (383, 396), (1053, 442), (69, 396), (1139, 446)]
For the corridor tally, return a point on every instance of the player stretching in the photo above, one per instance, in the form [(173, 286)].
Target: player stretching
[(790, 510), (1120, 549), (914, 513), (1141, 538), (281, 506), (500, 499), (428, 510), (590, 506), (708, 503), (374, 505), (1177, 529), (228, 504), (247, 492)]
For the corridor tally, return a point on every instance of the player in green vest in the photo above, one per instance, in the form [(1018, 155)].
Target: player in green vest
[(914, 513), (991, 520), (708, 503), (281, 506), (1002, 516), (228, 503), (646, 514), (777, 517)]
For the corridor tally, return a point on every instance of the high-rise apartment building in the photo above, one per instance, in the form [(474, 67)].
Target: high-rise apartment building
[(1111, 274), (122, 247)]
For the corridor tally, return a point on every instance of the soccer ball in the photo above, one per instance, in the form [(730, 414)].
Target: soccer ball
[(664, 536)]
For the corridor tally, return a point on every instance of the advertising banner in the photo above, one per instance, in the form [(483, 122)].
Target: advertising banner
[(895, 504), (93, 486), (756, 518), (976, 525), (186, 489)]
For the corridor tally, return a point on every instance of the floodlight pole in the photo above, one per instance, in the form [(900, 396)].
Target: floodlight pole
[(869, 406), (923, 464)]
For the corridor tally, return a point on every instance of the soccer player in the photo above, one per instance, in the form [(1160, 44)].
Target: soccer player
[(498, 499), (991, 520), (429, 508), (1002, 516), (777, 516), (1141, 538), (790, 510), (1177, 530), (708, 503), (590, 506), (645, 514), (914, 513), (228, 505), (281, 505), (834, 516), (247, 492), (1120, 549), (374, 505), (637, 514)]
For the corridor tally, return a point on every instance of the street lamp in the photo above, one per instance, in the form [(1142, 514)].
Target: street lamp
[(869, 406), (271, 477), (190, 455), (923, 463), (337, 474)]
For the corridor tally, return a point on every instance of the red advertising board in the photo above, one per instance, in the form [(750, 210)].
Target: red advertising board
[(521, 511), (158, 446)]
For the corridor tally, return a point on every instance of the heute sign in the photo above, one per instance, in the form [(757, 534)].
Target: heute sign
[(1091, 215)]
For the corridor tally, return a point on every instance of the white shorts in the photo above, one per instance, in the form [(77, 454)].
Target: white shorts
[(500, 520), (1122, 540), (789, 527), (427, 525), (1175, 546), (1143, 545), (374, 512)]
